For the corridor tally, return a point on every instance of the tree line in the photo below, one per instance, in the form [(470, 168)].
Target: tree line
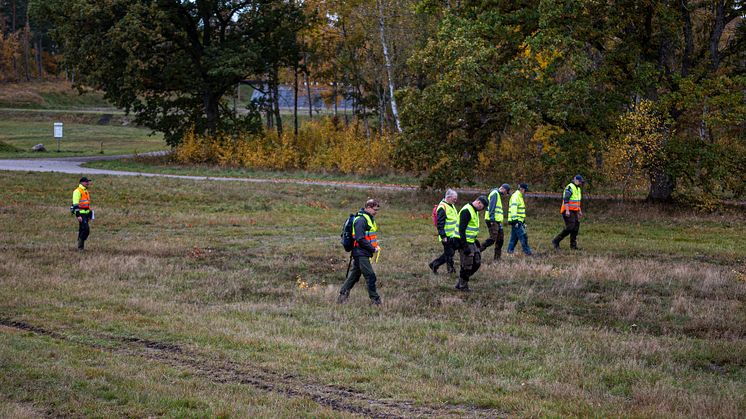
[(635, 94)]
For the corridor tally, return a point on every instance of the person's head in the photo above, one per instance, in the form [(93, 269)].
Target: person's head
[(85, 181), (451, 196), (523, 187), (480, 203), (371, 206), (578, 180), (504, 189)]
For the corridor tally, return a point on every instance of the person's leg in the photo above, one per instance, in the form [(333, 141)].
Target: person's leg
[(370, 279), (83, 232), (513, 238), (575, 231), (467, 264), (353, 277), (450, 253), (499, 240), (492, 228), (565, 232), (440, 260), (523, 237)]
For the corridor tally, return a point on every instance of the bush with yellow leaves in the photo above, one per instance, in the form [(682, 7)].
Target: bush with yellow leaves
[(324, 145)]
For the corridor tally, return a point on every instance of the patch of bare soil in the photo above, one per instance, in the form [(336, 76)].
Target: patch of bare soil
[(229, 372)]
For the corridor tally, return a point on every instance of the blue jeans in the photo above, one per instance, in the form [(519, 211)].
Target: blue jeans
[(518, 232)]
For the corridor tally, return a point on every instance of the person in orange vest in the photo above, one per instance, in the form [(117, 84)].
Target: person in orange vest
[(571, 213), (81, 208)]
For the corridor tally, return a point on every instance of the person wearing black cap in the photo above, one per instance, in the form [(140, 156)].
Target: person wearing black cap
[(495, 217), (467, 231), (571, 213), (82, 209), (517, 220)]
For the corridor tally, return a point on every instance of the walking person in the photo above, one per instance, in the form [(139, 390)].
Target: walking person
[(82, 209), (365, 234), (495, 217), (467, 231), (517, 220), (446, 224), (571, 213)]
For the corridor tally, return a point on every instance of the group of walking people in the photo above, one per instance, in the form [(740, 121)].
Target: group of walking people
[(458, 231)]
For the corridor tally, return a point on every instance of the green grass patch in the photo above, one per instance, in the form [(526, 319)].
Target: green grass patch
[(80, 139), (646, 320)]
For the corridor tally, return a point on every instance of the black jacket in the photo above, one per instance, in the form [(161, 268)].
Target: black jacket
[(364, 247)]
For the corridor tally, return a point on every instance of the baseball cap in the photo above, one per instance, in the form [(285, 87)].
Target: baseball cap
[(505, 186), (84, 179), (483, 200), (579, 178), (523, 186)]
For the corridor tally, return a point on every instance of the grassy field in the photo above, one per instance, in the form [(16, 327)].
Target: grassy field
[(55, 94), (199, 299), (19, 134)]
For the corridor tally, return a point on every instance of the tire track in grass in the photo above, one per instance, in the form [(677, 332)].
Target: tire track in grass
[(229, 372)]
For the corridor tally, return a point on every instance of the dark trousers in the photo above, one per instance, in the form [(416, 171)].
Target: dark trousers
[(361, 265), (518, 233), (469, 263), (572, 227), (447, 257), (496, 237), (83, 230)]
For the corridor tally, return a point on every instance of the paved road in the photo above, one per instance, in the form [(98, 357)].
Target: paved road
[(73, 165)]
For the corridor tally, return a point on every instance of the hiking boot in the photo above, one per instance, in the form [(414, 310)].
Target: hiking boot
[(433, 268), (376, 302), (81, 244), (555, 244), (342, 298)]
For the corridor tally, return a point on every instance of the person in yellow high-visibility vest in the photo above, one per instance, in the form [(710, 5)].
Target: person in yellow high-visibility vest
[(81, 208), (495, 218), (365, 233), (467, 231), (571, 213), (447, 218), (517, 220)]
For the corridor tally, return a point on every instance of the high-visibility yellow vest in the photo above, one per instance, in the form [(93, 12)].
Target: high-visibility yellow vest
[(82, 199), (517, 211), (495, 214), (472, 229), (451, 218), (574, 203), (371, 234)]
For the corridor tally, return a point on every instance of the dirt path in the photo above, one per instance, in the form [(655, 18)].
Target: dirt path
[(226, 371)]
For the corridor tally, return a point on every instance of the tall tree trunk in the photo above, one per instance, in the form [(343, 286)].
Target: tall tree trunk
[(335, 93), (13, 16), (661, 186), (276, 102), (39, 60), (26, 49), (211, 102), (295, 103), (717, 33), (387, 58), (308, 85)]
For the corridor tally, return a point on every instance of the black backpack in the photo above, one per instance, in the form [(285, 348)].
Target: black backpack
[(348, 242)]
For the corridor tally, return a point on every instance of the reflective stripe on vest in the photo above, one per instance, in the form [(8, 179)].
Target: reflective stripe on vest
[(574, 203), (517, 211), (371, 234), (451, 218), (472, 229), (496, 215)]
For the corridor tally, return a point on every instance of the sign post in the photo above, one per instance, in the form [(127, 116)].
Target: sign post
[(58, 133)]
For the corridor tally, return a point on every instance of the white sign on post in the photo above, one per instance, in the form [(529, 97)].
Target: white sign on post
[(58, 133)]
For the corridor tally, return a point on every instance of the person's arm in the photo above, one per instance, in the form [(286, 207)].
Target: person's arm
[(493, 206), (76, 202), (463, 222), (442, 223), (566, 199), (360, 226)]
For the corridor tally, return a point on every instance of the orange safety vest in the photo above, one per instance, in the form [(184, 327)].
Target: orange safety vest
[(574, 203), (372, 234), (85, 199)]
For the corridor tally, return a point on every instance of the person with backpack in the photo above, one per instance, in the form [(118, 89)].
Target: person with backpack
[(81, 209), (365, 245), (467, 230), (495, 217), (445, 218)]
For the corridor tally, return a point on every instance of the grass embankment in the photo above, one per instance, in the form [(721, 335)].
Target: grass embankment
[(56, 94), (217, 299)]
